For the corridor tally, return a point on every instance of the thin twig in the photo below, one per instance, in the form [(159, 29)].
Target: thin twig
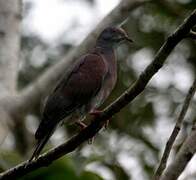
[(183, 157), (128, 96), (175, 131)]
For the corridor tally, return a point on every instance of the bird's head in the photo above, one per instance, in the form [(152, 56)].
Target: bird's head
[(112, 36)]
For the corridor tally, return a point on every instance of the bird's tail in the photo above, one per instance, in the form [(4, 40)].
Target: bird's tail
[(40, 144)]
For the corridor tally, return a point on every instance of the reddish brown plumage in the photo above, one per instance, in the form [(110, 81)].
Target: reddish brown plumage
[(84, 89)]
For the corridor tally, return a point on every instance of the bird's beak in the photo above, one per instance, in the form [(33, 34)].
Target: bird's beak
[(128, 39), (125, 38)]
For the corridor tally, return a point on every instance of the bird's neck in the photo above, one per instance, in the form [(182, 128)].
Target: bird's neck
[(106, 51), (104, 44), (109, 56)]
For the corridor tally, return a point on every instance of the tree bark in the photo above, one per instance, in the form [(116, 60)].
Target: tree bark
[(10, 19)]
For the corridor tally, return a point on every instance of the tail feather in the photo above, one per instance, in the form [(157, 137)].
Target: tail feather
[(40, 145)]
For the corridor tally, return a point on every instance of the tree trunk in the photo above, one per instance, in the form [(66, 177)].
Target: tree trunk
[(10, 19)]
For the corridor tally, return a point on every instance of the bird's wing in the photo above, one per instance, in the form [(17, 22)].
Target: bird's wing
[(81, 85)]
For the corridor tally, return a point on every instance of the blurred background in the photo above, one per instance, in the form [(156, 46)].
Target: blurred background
[(130, 148)]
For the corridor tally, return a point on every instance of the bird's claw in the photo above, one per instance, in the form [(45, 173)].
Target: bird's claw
[(96, 113)]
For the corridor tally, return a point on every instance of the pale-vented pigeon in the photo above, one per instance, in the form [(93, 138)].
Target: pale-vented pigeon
[(84, 89)]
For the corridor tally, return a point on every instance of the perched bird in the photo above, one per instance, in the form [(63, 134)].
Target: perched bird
[(84, 89)]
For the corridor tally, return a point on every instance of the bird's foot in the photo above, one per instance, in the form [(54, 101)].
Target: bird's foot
[(96, 113), (83, 126)]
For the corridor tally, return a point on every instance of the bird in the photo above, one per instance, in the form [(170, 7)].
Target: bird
[(84, 89)]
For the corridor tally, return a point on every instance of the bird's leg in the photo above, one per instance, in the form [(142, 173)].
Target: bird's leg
[(83, 126), (96, 113)]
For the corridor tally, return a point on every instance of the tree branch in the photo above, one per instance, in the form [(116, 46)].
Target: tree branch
[(182, 158), (175, 131), (129, 95)]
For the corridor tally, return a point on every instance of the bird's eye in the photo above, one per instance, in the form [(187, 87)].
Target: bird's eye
[(107, 36)]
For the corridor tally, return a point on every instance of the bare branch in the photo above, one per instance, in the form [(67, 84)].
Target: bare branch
[(97, 123), (182, 158), (172, 138)]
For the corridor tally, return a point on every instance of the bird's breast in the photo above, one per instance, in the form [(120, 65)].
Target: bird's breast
[(110, 78)]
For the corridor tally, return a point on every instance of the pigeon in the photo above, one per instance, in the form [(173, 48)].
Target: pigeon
[(84, 89)]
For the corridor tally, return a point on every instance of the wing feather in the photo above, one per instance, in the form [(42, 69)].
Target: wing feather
[(71, 93)]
